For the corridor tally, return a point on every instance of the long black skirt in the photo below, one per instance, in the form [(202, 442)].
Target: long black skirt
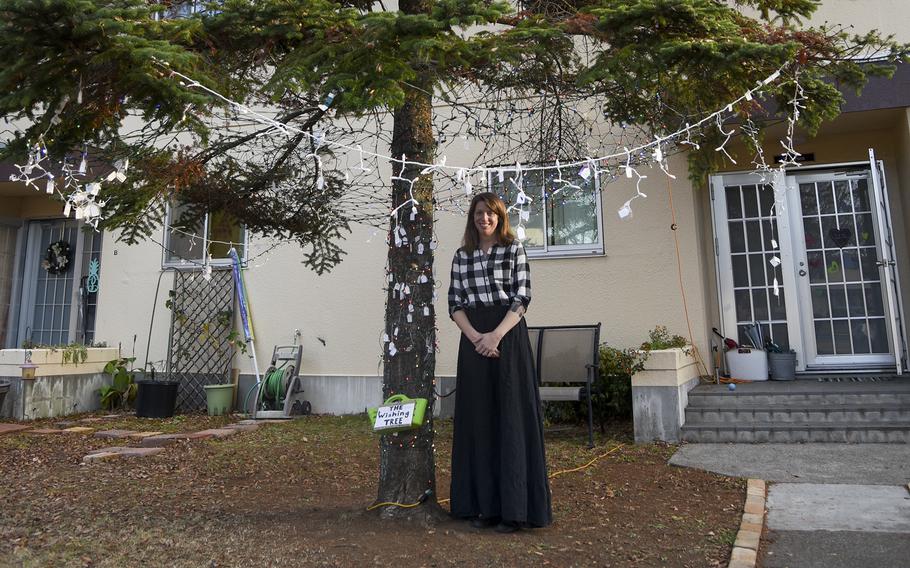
[(498, 464)]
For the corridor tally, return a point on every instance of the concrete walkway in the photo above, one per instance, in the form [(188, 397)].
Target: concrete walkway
[(829, 505)]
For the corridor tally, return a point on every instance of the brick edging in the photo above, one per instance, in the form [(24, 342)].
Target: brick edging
[(745, 548)]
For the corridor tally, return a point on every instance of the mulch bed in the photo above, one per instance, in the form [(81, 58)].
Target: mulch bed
[(295, 494)]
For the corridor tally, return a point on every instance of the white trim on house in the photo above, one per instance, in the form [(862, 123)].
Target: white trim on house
[(563, 251), (198, 263)]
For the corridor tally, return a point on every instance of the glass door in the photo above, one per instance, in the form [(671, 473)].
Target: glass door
[(752, 245), (838, 249), (59, 299)]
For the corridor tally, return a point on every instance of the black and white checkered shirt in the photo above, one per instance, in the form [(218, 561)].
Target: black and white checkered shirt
[(500, 278)]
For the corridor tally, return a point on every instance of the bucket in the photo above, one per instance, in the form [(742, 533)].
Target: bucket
[(219, 399), (156, 399), (782, 365), (747, 363)]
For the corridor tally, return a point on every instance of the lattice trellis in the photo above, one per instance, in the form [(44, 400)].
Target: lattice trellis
[(199, 349)]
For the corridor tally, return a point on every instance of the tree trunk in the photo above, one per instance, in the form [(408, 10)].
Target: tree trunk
[(407, 468)]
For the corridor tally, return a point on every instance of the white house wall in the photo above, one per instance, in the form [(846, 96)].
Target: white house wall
[(630, 289)]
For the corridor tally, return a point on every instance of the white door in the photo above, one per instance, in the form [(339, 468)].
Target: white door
[(59, 308), (808, 255)]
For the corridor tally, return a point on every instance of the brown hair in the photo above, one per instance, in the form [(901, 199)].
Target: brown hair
[(504, 234)]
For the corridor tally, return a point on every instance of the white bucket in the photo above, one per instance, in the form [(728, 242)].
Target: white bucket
[(747, 363)]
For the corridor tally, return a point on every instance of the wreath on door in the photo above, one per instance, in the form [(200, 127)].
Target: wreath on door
[(57, 258)]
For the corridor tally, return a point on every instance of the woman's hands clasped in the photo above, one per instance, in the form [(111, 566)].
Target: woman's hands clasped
[(487, 344)]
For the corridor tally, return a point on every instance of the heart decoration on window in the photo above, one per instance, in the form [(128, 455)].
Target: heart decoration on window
[(839, 236)]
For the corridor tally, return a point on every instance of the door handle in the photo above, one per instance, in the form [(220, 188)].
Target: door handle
[(883, 263), (802, 272)]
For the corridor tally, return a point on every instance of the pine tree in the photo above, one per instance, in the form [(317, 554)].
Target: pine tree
[(116, 57)]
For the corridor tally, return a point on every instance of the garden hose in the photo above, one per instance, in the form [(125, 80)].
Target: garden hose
[(272, 388)]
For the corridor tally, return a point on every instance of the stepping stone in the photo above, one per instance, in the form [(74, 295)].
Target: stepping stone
[(91, 419), (114, 433), (242, 427), (161, 440), (212, 433), (9, 428), (109, 416), (66, 424), (45, 431), (120, 451), (100, 456), (79, 430), (141, 435), (246, 422)]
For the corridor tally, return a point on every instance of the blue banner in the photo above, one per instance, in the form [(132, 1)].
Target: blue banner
[(241, 296)]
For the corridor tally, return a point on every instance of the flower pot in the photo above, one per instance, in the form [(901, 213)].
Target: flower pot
[(156, 399), (4, 388), (783, 366), (219, 399)]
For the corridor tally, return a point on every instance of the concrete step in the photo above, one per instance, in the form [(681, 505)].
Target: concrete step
[(798, 413), (743, 397), (788, 433)]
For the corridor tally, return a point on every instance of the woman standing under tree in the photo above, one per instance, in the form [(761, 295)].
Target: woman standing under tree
[(499, 471)]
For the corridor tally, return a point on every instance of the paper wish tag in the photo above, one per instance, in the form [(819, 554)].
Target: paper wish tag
[(392, 349), (422, 279), (420, 248), (525, 215), (426, 311), (775, 262), (585, 173), (520, 233), (625, 212)]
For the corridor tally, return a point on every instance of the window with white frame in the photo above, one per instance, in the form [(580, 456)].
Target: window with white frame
[(186, 247), (564, 217)]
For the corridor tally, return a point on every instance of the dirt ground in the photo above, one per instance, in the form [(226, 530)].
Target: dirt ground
[(295, 494)]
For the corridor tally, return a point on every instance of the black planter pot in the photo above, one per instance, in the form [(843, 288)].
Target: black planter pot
[(4, 388), (156, 399)]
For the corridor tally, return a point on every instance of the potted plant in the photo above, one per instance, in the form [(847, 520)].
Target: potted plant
[(121, 393), (660, 388), (156, 399)]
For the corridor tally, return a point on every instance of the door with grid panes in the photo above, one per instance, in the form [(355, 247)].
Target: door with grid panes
[(59, 308), (806, 255)]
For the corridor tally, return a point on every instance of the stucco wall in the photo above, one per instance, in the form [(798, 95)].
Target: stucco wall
[(630, 289)]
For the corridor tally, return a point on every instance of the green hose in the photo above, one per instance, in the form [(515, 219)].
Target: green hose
[(272, 387)]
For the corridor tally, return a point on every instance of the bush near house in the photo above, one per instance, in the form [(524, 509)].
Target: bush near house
[(612, 399)]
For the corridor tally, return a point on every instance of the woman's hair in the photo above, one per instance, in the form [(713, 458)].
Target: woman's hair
[(504, 234)]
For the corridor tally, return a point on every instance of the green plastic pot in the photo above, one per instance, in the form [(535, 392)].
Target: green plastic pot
[(219, 399)]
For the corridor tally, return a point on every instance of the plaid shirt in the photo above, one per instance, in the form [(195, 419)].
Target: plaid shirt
[(496, 279)]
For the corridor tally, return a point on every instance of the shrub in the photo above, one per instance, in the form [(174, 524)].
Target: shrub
[(121, 394), (660, 338), (612, 398)]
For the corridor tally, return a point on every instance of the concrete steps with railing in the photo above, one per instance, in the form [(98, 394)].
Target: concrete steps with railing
[(861, 410)]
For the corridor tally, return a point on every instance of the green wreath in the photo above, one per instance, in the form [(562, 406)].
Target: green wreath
[(57, 258)]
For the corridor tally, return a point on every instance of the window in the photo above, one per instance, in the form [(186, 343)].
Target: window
[(564, 217), (186, 248)]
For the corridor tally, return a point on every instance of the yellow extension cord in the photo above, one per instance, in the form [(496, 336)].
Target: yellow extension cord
[(551, 476)]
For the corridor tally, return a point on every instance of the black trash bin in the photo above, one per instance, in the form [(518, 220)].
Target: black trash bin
[(156, 399)]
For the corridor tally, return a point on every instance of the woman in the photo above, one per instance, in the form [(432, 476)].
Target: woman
[(499, 472)]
